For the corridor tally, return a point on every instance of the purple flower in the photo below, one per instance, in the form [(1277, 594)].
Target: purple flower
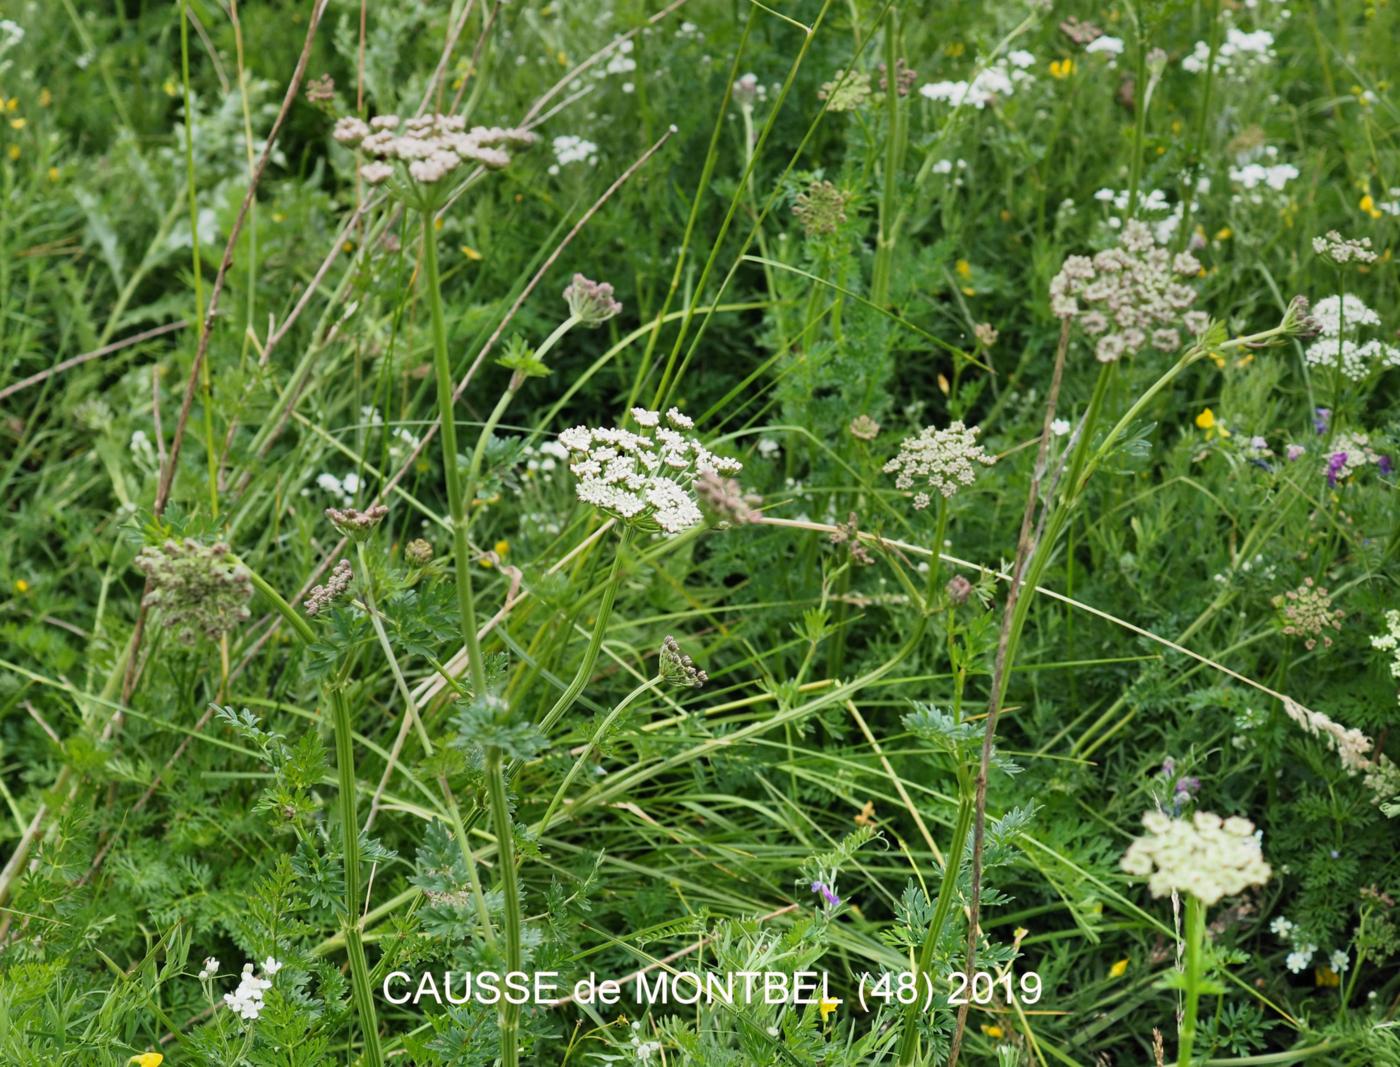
[(1168, 767), (827, 894), (1322, 418), (1385, 464), (1334, 467), (1294, 451)]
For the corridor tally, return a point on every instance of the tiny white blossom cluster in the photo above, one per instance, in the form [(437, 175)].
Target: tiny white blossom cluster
[(210, 968), (1252, 176), (1206, 856), (1390, 641), (1339, 319), (939, 459), (569, 149), (987, 86), (1134, 295), (644, 479), (1301, 956), (247, 1000), (430, 147), (1239, 55)]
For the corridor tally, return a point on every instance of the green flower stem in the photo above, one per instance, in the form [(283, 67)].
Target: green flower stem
[(895, 137), (510, 892), (935, 562), (289, 614), (362, 992), (947, 889), (454, 811), (461, 553), (484, 438), (595, 641), (590, 748), (1195, 944)]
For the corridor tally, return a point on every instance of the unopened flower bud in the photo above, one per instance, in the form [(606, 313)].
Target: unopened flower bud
[(958, 589), (591, 302)]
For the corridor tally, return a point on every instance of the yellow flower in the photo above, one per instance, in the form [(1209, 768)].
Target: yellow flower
[(277, 216), (13, 152), (147, 1059), (1368, 205), (1207, 421), (45, 98), (471, 253), (969, 291), (21, 586), (827, 1006), (54, 174), (170, 88), (993, 1031), (348, 246), (13, 104), (1224, 233), (563, 59), (1118, 969), (1325, 976), (502, 547), (867, 814), (1177, 127), (954, 49), (964, 268), (19, 124), (1005, 215), (497, 553), (1061, 68)]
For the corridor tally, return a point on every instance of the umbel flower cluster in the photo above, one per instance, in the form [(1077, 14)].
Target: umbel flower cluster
[(943, 460), (247, 1000), (1206, 856), (677, 668), (1129, 296), (644, 479), (198, 591), (1307, 612), (1339, 321), (428, 148)]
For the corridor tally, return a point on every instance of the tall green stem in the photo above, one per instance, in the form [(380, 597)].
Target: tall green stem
[(1195, 938), (442, 367), (362, 992), (590, 748), (947, 889), (595, 641), (510, 893)]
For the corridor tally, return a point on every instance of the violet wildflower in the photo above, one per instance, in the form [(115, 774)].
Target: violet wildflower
[(1336, 463), (827, 894), (1322, 419), (1293, 452), (1385, 465)]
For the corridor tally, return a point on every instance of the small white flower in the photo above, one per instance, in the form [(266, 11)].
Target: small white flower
[(1299, 958), (1338, 961), (1060, 427), (1281, 927)]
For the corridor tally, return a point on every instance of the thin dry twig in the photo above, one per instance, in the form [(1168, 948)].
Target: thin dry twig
[(97, 353)]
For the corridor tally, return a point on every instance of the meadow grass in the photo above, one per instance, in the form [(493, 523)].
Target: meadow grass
[(899, 491)]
